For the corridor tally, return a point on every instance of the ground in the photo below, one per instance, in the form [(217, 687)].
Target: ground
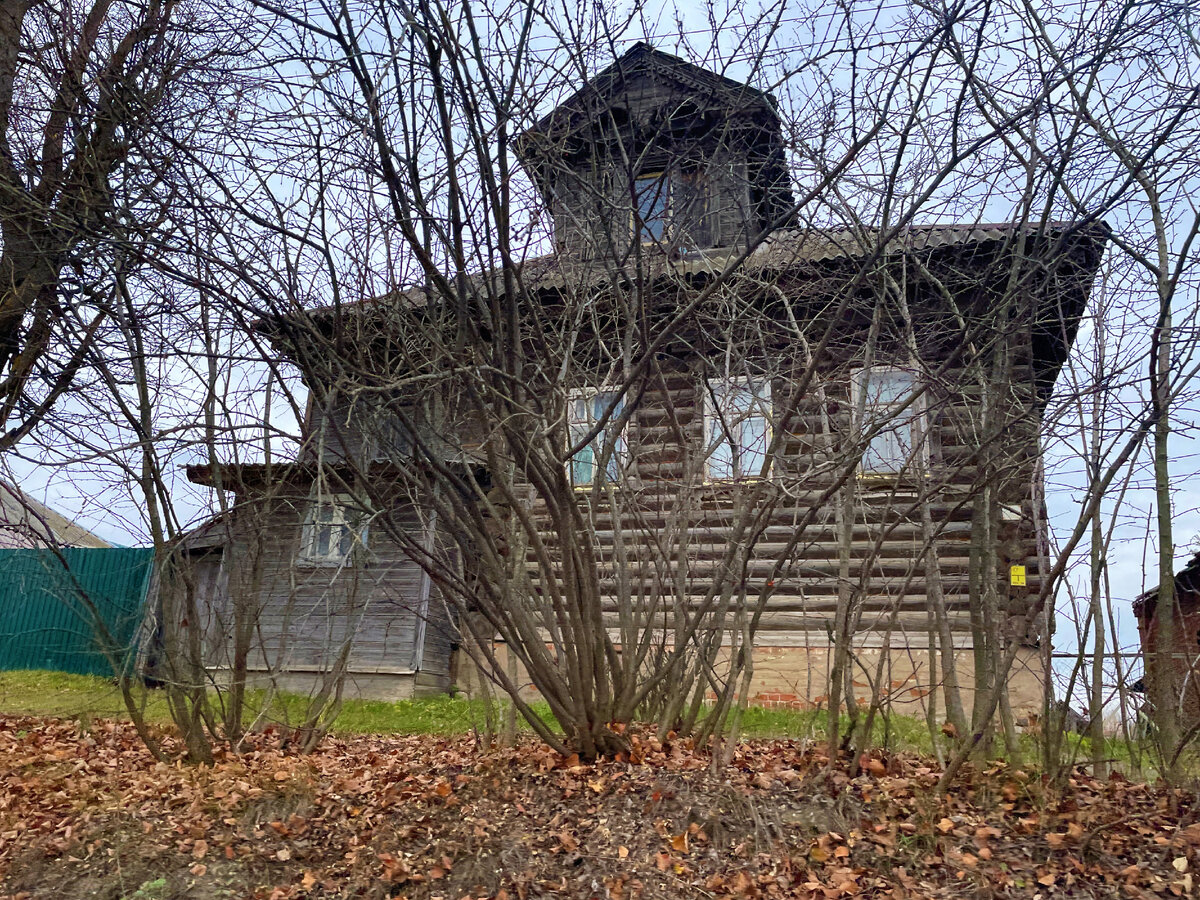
[(86, 812)]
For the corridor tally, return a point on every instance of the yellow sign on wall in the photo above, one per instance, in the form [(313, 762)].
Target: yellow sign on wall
[(1016, 576)]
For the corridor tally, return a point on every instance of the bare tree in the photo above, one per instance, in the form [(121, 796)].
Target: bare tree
[(551, 422), (94, 97)]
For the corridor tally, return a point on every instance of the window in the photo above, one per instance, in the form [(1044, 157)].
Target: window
[(673, 207), (651, 193), (585, 409), (736, 427), (881, 392), (332, 529)]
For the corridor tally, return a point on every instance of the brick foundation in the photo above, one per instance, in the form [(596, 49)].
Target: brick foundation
[(798, 678)]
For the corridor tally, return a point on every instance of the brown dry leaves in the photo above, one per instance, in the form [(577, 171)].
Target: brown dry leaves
[(426, 817)]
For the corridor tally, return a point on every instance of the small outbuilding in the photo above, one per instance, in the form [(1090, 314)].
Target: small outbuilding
[(1185, 660)]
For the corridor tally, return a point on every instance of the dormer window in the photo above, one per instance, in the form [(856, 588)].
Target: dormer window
[(709, 170), (652, 193), (672, 209)]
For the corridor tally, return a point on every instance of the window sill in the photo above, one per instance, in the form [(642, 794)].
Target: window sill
[(590, 488), (739, 480), (305, 562)]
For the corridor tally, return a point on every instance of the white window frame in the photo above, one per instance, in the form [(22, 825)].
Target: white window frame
[(911, 419), (347, 522), (581, 419), (725, 424)]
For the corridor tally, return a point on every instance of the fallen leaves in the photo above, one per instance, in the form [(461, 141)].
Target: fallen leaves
[(417, 814)]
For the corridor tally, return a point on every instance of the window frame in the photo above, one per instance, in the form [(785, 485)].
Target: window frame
[(915, 410), (684, 223), (620, 454), (345, 511), (713, 419), (659, 182)]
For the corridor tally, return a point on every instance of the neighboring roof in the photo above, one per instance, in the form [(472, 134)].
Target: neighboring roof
[(26, 523), (1187, 583)]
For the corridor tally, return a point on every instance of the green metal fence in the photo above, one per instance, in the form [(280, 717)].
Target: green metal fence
[(74, 610)]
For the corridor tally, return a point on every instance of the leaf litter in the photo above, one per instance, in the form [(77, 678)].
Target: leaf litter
[(89, 813)]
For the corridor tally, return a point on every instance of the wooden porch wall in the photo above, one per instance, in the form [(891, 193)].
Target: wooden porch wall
[(305, 613)]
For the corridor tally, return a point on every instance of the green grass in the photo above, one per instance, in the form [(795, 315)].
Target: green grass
[(442, 715), (35, 693), (68, 696), (59, 694), (893, 732)]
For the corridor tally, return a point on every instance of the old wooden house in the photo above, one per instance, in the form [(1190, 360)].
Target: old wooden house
[(854, 409)]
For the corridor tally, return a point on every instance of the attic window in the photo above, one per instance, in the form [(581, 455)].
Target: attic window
[(673, 207), (652, 193)]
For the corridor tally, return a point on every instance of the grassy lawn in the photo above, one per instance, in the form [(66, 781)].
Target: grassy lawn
[(62, 695), (37, 693), (59, 694)]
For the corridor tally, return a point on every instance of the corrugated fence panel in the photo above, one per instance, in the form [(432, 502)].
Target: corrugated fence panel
[(60, 610)]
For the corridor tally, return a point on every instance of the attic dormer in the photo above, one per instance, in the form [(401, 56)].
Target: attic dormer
[(657, 153)]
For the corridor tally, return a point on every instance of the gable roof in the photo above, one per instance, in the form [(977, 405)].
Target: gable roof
[(643, 59), (26, 523)]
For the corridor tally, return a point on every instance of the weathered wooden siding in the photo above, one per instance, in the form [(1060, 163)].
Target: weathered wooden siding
[(305, 615), (662, 497)]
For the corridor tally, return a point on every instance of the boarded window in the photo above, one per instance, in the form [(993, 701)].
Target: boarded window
[(881, 396), (332, 531), (586, 409), (737, 428)]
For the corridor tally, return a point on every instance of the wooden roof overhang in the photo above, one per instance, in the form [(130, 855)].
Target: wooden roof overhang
[(240, 477), (1059, 261)]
